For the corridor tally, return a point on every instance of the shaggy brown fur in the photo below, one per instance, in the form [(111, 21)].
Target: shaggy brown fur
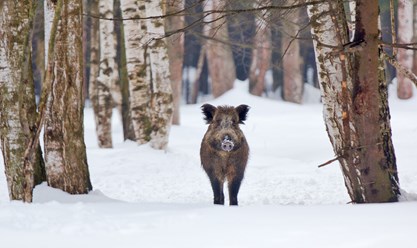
[(224, 151)]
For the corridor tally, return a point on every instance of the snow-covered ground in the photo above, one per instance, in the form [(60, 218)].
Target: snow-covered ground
[(148, 198)]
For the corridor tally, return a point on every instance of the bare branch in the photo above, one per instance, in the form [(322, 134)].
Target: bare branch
[(409, 46), (400, 68), (329, 162), (226, 12)]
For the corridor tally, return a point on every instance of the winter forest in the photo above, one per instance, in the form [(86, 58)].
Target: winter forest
[(104, 105)]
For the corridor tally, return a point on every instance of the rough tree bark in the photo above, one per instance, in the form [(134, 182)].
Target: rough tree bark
[(175, 53), (95, 62), (405, 56), (139, 86), (291, 62), (17, 100), (261, 53), (219, 54), (106, 91), (354, 95), (128, 132), (48, 9), (65, 152), (158, 63), (148, 70)]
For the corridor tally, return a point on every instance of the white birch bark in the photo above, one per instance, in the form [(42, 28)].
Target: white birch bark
[(161, 102), (354, 95), (108, 76), (405, 56), (335, 82), (17, 101), (48, 8), (11, 129), (139, 87)]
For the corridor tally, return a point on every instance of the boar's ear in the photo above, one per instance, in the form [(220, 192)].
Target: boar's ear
[(242, 111), (208, 112)]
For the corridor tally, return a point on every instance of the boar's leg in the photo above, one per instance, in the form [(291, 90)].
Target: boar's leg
[(234, 185), (217, 187)]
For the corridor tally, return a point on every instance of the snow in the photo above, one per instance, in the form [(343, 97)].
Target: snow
[(148, 198)]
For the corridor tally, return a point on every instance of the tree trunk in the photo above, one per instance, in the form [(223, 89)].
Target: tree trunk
[(17, 100), (261, 54), (175, 53), (219, 54), (128, 131), (48, 9), (161, 101), (276, 59), (86, 47), (355, 101), (139, 78), (95, 64), (415, 36), (405, 56), (148, 71), (195, 84), (105, 86), (65, 152), (291, 62)]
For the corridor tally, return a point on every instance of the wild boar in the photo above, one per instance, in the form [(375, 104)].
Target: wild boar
[(224, 150)]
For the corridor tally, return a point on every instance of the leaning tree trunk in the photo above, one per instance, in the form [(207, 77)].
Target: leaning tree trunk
[(291, 62), (175, 53), (405, 56), (161, 101), (17, 101), (139, 79), (355, 100), (65, 152), (261, 54), (219, 54)]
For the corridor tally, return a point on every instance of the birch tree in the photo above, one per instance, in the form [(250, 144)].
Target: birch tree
[(139, 86), (95, 62), (405, 56), (17, 101), (105, 90), (261, 53), (148, 73), (161, 101), (219, 54), (128, 132), (65, 152), (354, 95)]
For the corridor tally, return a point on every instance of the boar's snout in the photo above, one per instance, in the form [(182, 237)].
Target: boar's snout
[(227, 144)]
